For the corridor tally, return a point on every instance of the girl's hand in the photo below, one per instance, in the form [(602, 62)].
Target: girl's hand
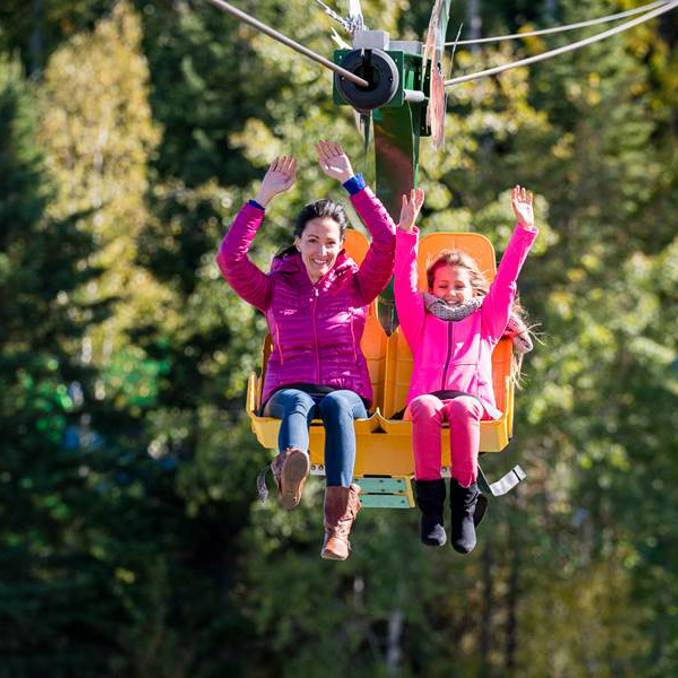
[(521, 201), (333, 161), (410, 209), (279, 178)]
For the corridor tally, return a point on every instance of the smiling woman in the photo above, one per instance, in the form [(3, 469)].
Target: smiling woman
[(315, 299), (319, 245)]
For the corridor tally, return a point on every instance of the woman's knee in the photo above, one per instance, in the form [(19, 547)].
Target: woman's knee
[(287, 402), (334, 406)]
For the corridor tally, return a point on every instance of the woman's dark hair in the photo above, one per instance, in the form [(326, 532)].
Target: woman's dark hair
[(314, 210)]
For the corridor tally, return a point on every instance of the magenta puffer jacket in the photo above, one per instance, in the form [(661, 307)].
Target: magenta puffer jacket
[(456, 355), (316, 328)]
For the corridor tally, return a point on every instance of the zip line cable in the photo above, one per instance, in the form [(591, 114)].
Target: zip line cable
[(246, 18), (650, 10), (560, 29), (666, 7)]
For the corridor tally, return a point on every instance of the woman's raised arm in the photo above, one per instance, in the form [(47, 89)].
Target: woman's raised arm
[(248, 281), (377, 267)]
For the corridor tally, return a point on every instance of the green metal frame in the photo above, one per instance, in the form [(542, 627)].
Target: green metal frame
[(385, 492), (398, 127)]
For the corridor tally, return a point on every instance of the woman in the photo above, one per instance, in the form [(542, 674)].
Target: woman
[(315, 299)]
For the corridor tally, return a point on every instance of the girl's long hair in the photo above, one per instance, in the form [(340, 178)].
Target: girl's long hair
[(318, 209), (480, 287)]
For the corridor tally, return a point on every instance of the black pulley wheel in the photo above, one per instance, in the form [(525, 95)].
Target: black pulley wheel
[(380, 71)]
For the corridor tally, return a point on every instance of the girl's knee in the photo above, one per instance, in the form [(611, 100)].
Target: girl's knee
[(464, 407), (425, 407)]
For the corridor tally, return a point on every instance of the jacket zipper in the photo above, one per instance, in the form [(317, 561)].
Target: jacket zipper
[(449, 353), (355, 351), (280, 351), (315, 335)]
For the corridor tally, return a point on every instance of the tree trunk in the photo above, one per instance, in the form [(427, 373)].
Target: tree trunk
[(486, 618), (512, 601), (393, 652), (35, 49), (550, 10), (474, 21)]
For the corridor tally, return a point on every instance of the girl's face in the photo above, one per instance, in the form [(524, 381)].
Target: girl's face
[(319, 245), (453, 284)]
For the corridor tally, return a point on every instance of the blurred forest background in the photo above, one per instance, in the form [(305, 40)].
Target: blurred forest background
[(131, 541)]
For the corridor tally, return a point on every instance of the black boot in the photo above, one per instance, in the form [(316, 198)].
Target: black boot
[(463, 501), (430, 499)]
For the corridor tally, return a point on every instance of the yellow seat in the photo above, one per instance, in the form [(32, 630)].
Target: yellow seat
[(494, 435), (384, 462)]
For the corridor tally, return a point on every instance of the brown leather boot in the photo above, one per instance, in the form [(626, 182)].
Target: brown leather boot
[(341, 508), (290, 470)]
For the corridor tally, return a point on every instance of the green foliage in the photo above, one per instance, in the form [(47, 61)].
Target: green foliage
[(131, 542)]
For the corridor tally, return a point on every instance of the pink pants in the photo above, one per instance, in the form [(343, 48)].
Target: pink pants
[(463, 414)]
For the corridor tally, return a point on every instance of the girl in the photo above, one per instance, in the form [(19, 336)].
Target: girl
[(315, 299), (452, 331)]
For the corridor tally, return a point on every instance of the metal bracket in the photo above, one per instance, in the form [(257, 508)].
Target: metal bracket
[(502, 486)]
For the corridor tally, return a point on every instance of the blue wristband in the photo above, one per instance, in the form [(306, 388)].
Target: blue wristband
[(254, 203), (355, 184)]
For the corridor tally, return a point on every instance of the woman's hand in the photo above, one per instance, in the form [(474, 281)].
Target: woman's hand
[(333, 161), (279, 178), (521, 201), (410, 209)]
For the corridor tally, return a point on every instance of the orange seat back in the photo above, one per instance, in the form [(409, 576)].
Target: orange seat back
[(475, 244)]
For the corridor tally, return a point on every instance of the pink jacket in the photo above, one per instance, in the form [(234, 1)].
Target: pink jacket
[(316, 329), (456, 355)]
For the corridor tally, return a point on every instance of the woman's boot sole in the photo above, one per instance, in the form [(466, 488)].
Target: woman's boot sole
[(329, 555), (297, 467)]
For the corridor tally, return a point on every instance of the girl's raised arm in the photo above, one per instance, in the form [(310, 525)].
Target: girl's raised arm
[(522, 202), (409, 303), (497, 305), (410, 208)]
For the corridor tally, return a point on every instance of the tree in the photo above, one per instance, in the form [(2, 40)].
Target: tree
[(129, 449)]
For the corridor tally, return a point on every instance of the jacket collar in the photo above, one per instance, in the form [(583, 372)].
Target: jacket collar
[(294, 266)]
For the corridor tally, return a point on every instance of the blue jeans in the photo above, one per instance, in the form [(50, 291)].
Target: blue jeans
[(337, 409)]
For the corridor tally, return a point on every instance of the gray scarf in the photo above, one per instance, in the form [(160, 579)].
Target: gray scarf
[(441, 309), (516, 329)]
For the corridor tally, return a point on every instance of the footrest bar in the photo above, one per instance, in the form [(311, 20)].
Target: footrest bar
[(385, 492)]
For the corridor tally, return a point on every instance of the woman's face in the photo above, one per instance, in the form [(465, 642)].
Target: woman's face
[(319, 245), (453, 284)]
